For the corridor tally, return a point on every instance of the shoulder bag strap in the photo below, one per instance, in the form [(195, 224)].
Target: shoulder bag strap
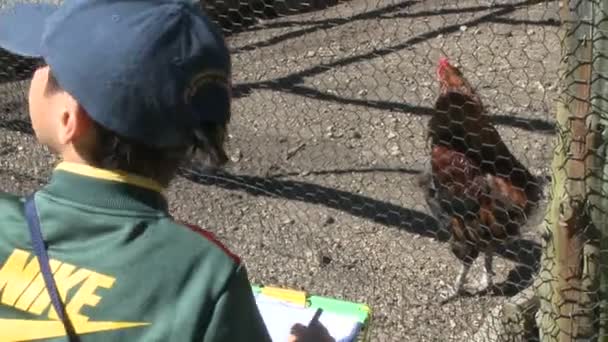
[(33, 223)]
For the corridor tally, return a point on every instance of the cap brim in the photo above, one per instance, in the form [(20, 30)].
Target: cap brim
[(22, 26)]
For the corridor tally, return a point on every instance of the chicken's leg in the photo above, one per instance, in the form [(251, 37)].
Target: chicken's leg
[(486, 281), (456, 290), (461, 278)]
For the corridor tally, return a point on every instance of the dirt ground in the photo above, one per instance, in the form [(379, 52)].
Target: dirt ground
[(326, 140)]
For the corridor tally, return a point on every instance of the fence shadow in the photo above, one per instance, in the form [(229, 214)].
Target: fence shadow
[(525, 253), (388, 12), (529, 124), (316, 25), (293, 83), (234, 16)]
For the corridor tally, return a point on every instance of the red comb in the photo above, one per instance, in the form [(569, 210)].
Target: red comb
[(443, 63)]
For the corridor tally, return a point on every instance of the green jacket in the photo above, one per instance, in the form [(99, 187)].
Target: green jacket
[(130, 271)]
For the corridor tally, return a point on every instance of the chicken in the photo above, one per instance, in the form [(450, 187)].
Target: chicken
[(473, 185)]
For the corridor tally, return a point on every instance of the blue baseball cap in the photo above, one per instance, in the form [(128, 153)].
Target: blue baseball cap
[(149, 70)]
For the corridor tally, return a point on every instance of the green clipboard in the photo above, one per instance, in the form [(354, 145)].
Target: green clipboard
[(357, 311)]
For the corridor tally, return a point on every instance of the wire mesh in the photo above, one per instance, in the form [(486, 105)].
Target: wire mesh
[(571, 285), (332, 132)]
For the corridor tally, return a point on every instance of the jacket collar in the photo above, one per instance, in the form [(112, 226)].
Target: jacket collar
[(103, 188)]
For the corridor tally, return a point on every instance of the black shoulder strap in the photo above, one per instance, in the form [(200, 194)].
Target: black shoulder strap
[(33, 222)]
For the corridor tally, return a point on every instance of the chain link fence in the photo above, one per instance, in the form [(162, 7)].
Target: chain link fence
[(330, 137)]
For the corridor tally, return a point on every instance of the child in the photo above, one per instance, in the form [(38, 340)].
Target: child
[(127, 91)]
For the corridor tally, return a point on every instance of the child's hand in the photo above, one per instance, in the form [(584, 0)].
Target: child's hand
[(314, 333)]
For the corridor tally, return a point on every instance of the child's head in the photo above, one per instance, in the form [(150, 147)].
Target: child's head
[(130, 85)]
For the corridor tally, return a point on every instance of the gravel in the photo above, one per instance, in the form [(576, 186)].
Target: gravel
[(327, 137)]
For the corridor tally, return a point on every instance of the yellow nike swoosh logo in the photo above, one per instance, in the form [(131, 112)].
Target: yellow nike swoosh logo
[(27, 330)]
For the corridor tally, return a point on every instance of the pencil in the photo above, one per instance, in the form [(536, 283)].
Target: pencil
[(315, 318)]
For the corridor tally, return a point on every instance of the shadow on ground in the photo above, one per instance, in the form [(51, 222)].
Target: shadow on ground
[(525, 253)]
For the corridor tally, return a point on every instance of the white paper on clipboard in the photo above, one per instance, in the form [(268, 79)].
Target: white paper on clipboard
[(280, 316)]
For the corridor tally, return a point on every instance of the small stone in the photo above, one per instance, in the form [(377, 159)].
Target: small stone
[(463, 28), (394, 150), (308, 254), (237, 156), (325, 260), (331, 133)]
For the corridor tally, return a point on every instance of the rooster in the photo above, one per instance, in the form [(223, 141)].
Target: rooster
[(474, 186)]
